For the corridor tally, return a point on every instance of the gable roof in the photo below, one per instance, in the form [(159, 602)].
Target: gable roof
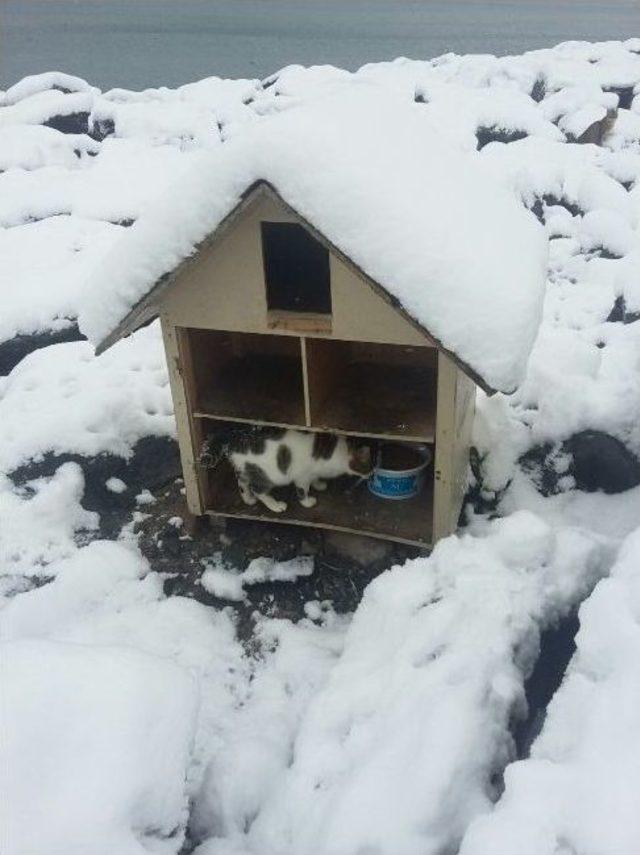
[(146, 310), (422, 223)]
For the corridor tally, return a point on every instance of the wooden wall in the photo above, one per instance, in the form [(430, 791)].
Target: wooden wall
[(224, 289), (454, 423)]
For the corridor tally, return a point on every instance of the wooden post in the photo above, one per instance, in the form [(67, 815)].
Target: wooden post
[(184, 420)]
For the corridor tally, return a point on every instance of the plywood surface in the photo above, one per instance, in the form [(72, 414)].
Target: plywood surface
[(343, 507), (375, 389), (224, 288), (379, 399), (266, 389), (247, 376)]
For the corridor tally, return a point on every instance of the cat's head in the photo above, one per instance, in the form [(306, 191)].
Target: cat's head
[(360, 458)]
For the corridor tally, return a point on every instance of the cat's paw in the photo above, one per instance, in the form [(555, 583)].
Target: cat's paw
[(308, 501), (278, 507), (319, 485), (248, 499)]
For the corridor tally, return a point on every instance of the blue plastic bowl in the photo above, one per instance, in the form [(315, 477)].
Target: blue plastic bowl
[(400, 484)]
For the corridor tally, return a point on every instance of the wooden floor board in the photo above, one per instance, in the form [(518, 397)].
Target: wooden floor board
[(343, 507)]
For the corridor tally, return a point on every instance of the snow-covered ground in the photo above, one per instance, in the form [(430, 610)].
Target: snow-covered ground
[(132, 721)]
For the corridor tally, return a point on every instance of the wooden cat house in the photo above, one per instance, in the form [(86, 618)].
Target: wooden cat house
[(266, 321), (270, 324)]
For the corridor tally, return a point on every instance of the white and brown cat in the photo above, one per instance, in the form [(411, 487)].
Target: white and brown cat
[(264, 458)]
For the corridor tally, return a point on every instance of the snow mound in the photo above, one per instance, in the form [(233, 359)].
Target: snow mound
[(47, 106), (95, 748), (60, 249), (578, 790), (415, 714), (418, 216), (50, 80), (39, 523), (104, 598), (93, 405), (222, 582)]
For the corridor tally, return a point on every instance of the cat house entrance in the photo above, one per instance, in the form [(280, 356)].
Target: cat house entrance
[(297, 278), (346, 505)]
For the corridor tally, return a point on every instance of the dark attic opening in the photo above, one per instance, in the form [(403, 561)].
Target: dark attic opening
[(296, 269)]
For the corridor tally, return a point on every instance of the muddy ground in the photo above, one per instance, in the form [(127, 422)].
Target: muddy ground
[(343, 565)]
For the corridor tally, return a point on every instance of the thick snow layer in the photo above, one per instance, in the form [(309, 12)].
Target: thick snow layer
[(43, 106), (95, 744), (253, 747), (578, 790), (34, 146), (395, 754), (38, 523), (416, 215), (115, 185), (46, 264), (50, 80), (239, 736), (92, 405)]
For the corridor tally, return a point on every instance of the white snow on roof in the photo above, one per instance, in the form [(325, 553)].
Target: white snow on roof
[(373, 175)]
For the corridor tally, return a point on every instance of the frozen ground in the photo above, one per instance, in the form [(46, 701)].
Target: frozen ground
[(138, 722)]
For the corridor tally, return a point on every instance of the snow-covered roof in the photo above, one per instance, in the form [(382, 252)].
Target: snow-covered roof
[(371, 173)]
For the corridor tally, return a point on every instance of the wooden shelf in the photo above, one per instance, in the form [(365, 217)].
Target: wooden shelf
[(374, 390), (225, 417), (342, 507)]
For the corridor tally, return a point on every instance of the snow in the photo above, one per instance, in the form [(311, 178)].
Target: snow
[(35, 83), (179, 711), (114, 186), (222, 582), (134, 718), (43, 106), (115, 485), (385, 730), (93, 405), (578, 789), (61, 248), (31, 147), (476, 231), (58, 702), (38, 523), (255, 745)]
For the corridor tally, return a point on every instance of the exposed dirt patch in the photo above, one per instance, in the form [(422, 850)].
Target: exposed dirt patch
[(341, 571), (343, 565), (154, 464), (557, 646)]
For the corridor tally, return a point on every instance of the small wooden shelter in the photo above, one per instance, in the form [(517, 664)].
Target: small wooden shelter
[(268, 323)]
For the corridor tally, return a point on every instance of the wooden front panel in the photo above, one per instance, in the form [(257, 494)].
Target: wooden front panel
[(224, 289), (188, 431), (465, 407)]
